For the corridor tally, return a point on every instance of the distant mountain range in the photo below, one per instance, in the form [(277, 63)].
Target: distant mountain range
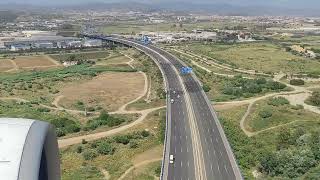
[(210, 8)]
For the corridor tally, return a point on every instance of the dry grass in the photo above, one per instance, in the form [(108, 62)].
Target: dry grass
[(109, 90), (5, 65), (114, 61), (34, 61)]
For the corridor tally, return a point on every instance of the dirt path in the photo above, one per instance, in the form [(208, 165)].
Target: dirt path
[(138, 165), (15, 66), (14, 98), (105, 174), (53, 61)]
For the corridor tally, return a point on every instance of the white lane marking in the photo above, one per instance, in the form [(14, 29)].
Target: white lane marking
[(225, 167), (208, 152), (188, 164), (181, 164), (211, 140), (175, 150), (187, 149), (219, 169), (214, 151), (181, 150)]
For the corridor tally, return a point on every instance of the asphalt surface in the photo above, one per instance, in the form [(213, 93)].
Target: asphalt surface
[(195, 137)]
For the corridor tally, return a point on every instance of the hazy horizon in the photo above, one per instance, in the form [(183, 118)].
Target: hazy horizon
[(275, 3)]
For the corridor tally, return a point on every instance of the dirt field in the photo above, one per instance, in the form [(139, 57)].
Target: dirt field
[(5, 65), (34, 62), (109, 91)]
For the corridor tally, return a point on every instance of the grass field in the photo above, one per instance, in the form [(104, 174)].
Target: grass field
[(130, 27), (281, 114), (261, 56), (82, 55)]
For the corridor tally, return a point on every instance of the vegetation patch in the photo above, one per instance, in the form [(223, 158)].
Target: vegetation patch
[(282, 153), (113, 154), (261, 56), (277, 111)]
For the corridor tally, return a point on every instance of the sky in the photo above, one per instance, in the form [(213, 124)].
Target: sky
[(277, 3)]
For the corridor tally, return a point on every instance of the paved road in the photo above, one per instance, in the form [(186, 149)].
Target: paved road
[(194, 134)]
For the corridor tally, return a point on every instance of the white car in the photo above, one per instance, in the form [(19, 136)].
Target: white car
[(171, 158), (172, 101)]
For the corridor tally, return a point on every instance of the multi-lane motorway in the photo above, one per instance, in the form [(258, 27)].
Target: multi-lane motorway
[(194, 135)]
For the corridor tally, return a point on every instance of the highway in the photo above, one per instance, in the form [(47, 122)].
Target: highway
[(194, 135)]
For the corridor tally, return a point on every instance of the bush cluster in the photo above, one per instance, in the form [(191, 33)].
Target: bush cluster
[(239, 86), (297, 82), (65, 126), (315, 98), (278, 101), (103, 119), (297, 153)]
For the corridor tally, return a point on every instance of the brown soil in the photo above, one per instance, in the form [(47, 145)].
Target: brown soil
[(109, 90)]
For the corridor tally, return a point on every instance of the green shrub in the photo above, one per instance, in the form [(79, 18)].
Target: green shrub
[(206, 88), (105, 148), (79, 149), (278, 101), (122, 139), (157, 171), (89, 154), (266, 113), (133, 144), (297, 82), (145, 133), (315, 98), (60, 132)]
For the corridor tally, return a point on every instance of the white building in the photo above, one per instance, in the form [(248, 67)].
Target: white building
[(92, 43), (44, 45), (75, 44), (19, 47)]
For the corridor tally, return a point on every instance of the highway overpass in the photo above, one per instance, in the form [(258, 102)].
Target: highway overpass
[(194, 135)]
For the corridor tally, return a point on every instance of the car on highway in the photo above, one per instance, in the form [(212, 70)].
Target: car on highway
[(172, 101), (171, 158)]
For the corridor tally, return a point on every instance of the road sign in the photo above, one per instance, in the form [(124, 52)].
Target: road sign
[(186, 70)]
